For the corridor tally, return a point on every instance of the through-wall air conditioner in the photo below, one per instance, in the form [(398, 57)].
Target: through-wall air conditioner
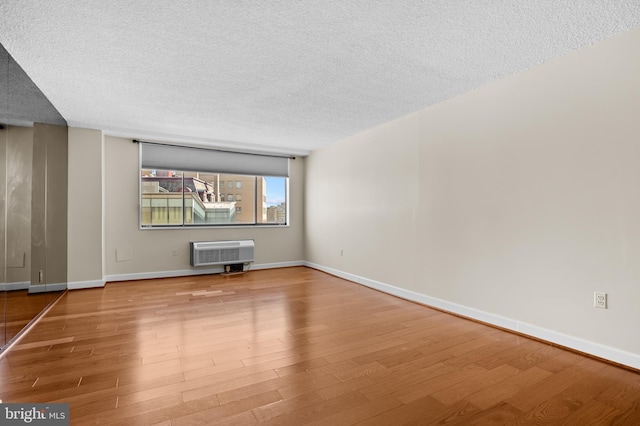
[(207, 253)]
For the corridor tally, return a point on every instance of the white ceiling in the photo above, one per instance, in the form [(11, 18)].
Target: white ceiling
[(283, 76)]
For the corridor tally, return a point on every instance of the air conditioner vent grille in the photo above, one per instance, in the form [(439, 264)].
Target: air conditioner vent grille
[(218, 256), (207, 253)]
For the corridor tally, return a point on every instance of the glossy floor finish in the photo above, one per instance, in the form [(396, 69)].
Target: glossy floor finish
[(22, 307), (296, 346)]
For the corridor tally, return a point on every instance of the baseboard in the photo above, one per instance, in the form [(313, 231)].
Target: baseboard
[(14, 286), (597, 350), (77, 285), (47, 288), (195, 271), (276, 265)]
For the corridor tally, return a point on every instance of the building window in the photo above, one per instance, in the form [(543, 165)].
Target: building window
[(186, 198), (238, 184)]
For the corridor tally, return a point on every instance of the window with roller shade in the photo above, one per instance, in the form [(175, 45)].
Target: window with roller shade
[(183, 186)]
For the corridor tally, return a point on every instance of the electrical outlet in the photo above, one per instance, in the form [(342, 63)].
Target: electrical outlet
[(600, 299), (174, 252), (341, 252)]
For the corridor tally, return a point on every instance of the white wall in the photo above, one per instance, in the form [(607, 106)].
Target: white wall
[(85, 208), (511, 203), (362, 198), (146, 253)]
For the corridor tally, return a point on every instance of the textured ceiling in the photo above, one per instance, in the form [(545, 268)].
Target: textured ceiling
[(21, 102), (283, 76)]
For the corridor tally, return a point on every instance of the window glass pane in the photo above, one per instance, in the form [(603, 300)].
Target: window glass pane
[(242, 200), (161, 197), (146, 211), (177, 198), (159, 211), (175, 210), (273, 200)]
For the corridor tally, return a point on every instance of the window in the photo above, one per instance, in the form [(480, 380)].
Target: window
[(187, 195)]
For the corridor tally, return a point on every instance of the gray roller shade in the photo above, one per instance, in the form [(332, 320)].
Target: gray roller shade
[(171, 157)]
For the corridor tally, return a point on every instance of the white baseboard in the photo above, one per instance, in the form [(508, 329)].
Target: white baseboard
[(195, 271), (14, 286), (46, 288), (162, 274), (591, 348), (276, 265), (77, 285)]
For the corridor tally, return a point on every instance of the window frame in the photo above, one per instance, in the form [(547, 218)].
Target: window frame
[(187, 226)]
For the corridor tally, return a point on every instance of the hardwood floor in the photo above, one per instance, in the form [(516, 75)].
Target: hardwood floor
[(21, 307), (296, 346)]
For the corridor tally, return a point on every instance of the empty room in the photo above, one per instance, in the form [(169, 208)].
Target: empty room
[(286, 212)]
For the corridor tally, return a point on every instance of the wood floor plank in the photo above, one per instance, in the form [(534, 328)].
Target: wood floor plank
[(279, 409), (439, 382), (622, 394), (499, 415), (547, 388), (421, 411), (319, 410), (460, 390), (407, 381), (592, 412), (297, 346), (359, 413), (234, 383), (552, 411), (309, 385), (505, 389)]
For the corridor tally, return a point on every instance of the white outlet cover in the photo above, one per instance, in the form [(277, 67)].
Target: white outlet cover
[(600, 299)]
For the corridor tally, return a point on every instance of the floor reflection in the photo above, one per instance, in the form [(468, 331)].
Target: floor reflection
[(22, 307)]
